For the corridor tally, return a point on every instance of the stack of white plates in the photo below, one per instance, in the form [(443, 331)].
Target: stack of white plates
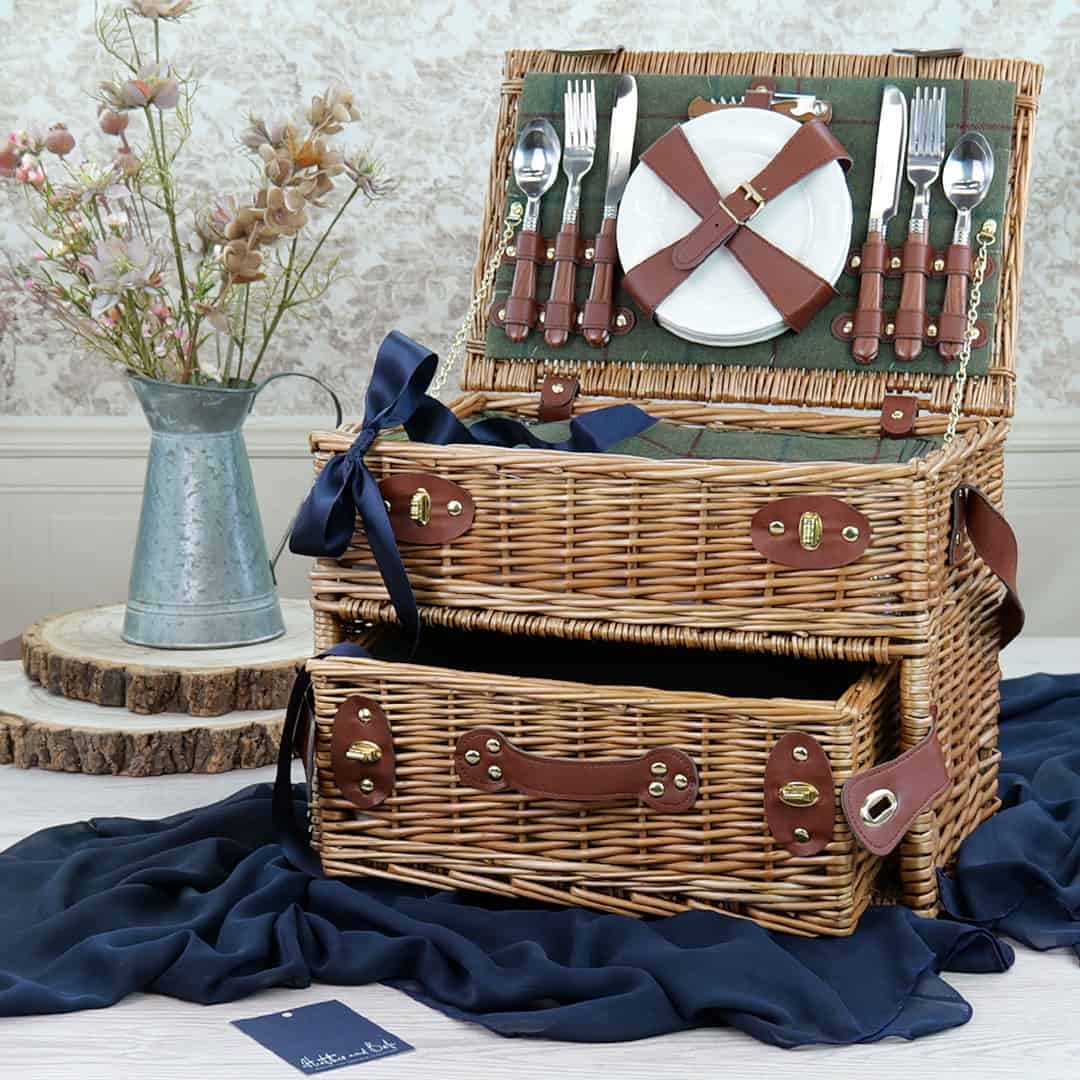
[(719, 303)]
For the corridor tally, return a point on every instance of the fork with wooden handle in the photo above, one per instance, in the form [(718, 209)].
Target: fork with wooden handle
[(926, 151), (579, 149)]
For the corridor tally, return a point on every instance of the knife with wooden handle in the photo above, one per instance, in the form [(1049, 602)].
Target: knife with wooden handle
[(599, 308), (869, 321)]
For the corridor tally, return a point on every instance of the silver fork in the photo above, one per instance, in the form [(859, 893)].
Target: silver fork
[(579, 150), (926, 151)]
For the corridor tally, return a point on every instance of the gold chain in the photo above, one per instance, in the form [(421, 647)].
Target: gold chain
[(513, 218), (986, 240)]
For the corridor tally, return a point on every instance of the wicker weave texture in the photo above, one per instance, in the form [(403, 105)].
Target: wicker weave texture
[(719, 855), (667, 543)]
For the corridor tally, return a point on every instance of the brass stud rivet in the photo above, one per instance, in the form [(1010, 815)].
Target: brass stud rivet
[(472, 757), (850, 533), (890, 329), (502, 314), (897, 414), (494, 772), (454, 508), (801, 835), (848, 327), (656, 789), (800, 753), (551, 253), (776, 528), (620, 321), (658, 768), (931, 330), (540, 318), (363, 715), (493, 745), (680, 781), (939, 265), (590, 253), (367, 786), (557, 388), (894, 263), (580, 318), (511, 251), (856, 262), (386, 503)]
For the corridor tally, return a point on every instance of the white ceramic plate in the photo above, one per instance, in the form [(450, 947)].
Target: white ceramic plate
[(719, 304)]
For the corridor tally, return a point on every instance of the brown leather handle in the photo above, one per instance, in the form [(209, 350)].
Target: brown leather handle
[(911, 314), (599, 310), (521, 306), (956, 291), (560, 312), (869, 320), (994, 541), (663, 779)]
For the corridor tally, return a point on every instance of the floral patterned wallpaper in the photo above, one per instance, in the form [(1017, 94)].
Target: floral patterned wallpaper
[(426, 75)]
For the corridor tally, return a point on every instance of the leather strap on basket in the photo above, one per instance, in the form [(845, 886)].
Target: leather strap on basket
[(664, 779), (975, 516), (793, 289), (882, 803)]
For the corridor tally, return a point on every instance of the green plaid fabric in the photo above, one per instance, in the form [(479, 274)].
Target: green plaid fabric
[(668, 439), (662, 102)]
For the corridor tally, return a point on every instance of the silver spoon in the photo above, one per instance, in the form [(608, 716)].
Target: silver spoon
[(536, 165), (966, 178)]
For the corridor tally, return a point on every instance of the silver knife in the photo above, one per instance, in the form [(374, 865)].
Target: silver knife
[(884, 202), (598, 311)]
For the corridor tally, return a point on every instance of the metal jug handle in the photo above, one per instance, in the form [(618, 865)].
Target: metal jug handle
[(339, 415)]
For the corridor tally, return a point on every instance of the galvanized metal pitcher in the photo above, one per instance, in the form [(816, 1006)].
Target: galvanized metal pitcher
[(201, 577)]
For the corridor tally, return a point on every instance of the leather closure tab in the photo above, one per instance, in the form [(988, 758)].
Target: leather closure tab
[(427, 509), (811, 532), (664, 779), (759, 93), (557, 395), (898, 414), (362, 752), (800, 804), (882, 803)]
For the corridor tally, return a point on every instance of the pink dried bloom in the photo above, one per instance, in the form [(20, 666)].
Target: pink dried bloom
[(160, 9), (59, 141), (111, 122), (127, 162), (9, 157), (149, 87), (333, 109)]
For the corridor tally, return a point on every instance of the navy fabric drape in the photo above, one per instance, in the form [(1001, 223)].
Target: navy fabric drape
[(205, 906)]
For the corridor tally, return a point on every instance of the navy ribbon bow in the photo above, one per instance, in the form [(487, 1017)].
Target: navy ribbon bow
[(397, 397)]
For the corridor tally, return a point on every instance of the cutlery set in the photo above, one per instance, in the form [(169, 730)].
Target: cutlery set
[(536, 163), (916, 148)]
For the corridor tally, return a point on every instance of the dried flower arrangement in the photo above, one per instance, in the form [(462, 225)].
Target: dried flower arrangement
[(135, 274)]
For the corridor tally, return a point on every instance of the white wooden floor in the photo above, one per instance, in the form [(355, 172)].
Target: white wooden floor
[(1026, 1023)]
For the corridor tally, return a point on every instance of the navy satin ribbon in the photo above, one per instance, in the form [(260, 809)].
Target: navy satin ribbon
[(291, 835), (397, 397)]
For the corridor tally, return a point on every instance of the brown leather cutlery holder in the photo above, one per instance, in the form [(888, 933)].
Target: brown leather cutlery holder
[(909, 317), (597, 319)]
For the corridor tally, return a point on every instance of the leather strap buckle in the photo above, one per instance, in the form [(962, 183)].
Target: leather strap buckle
[(754, 196)]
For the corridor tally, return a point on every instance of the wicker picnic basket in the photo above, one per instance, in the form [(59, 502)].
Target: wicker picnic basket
[(598, 551)]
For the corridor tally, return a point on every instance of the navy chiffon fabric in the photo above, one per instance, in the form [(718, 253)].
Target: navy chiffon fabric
[(204, 906)]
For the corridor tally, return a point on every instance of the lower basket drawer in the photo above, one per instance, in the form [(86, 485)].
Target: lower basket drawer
[(627, 778)]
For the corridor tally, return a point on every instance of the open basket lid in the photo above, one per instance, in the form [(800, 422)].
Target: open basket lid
[(814, 368)]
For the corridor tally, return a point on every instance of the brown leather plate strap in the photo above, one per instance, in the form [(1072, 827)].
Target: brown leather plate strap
[(795, 290), (910, 784), (799, 794), (975, 516), (663, 779), (811, 532)]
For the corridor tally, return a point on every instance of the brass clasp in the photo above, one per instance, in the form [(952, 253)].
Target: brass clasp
[(799, 793), (420, 506), (811, 528), (364, 751)]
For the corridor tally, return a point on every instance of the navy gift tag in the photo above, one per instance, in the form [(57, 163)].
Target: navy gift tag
[(320, 1037)]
